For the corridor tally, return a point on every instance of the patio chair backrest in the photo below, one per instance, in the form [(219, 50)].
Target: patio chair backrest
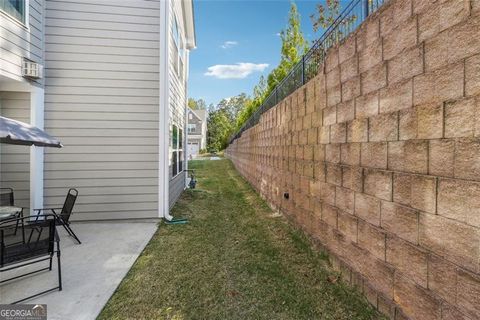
[(6, 197), (68, 204), (36, 239)]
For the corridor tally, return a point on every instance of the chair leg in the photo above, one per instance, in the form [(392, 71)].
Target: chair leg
[(70, 232), (59, 268)]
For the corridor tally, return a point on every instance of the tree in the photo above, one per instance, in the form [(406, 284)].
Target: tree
[(233, 105), (294, 46), (199, 104), (219, 130), (222, 120), (326, 14)]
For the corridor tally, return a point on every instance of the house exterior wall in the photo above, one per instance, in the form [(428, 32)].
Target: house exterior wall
[(102, 102), (15, 160), (178, 100), (203, 116), (19, 40), (199, 137), (379, 155)]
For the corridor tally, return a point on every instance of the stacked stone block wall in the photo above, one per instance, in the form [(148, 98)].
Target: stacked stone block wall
[(380, 157)]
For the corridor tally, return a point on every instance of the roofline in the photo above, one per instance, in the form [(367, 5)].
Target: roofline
[(190, 25), (196, 115)]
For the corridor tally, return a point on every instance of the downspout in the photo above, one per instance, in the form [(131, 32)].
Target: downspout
[(163, 113), (185, 128)]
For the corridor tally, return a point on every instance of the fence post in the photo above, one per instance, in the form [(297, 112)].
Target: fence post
[(303, 70)]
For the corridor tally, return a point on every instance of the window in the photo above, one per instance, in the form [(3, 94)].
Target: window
[(14, 8), (192, 128), (179, 49), (176, 32), (177, 150)]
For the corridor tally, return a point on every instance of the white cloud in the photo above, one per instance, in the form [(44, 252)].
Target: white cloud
[(235, 71), (229, 44)]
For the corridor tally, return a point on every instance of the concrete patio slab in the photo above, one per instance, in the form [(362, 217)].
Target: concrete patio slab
[(91, 271)]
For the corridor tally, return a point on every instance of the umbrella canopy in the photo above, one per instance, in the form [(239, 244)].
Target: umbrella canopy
[(16, 132)]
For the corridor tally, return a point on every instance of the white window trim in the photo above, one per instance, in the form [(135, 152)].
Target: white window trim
[(24, 24), (177, 150)]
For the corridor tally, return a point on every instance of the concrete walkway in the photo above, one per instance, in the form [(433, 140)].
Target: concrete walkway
[(91, 271)]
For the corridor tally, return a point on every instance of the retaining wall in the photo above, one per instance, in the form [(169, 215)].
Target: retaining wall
[(380, 157)]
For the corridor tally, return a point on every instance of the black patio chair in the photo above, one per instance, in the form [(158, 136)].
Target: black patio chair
[(7, 199), (40, 246), (63, 216)]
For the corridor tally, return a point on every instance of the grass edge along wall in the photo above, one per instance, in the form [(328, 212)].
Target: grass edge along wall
[(380, 157)]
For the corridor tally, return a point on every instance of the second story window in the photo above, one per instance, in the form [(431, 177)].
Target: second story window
[(179, 49), (192, 128), (14, 8)]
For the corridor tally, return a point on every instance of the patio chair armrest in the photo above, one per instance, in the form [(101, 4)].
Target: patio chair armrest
[(47, 209)]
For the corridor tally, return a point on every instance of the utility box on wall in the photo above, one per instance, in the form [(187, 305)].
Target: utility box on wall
[(31, 69)]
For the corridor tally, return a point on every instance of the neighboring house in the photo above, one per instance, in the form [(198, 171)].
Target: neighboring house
[(197, 132), (113, 91)]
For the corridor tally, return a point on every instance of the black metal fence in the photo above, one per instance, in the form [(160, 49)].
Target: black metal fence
[(348, 21)]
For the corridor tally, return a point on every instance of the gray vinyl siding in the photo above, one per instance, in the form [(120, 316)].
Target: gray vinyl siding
[(102, 102), (177, 185), (15, 160), (20, 41), (177, 106)]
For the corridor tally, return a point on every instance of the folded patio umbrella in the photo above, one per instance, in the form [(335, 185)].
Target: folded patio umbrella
[(16, 132)]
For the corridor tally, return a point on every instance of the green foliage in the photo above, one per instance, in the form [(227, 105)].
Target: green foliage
[(294, 46), (326, 14), (199, 104), (219, 129), (221, 121)]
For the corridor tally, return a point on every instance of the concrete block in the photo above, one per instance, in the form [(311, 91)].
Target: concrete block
[(374, 155), (347, 225), (417, 191), (415, 301), (374, 78), (408, 156), (367, 105), (411, 260), (383, 127), (346, 111), (400, 220), (441, 157), (459, 200), (460, 118), (455, 241), (357, 130), (371, 239), (367, 208), (404, 37), (396, 97), (439, 85), (442, 278)]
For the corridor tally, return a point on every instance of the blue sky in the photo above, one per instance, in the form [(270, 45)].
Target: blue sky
[(230, 32)]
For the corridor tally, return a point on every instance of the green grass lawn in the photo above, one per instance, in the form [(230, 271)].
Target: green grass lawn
[(234, 260)]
